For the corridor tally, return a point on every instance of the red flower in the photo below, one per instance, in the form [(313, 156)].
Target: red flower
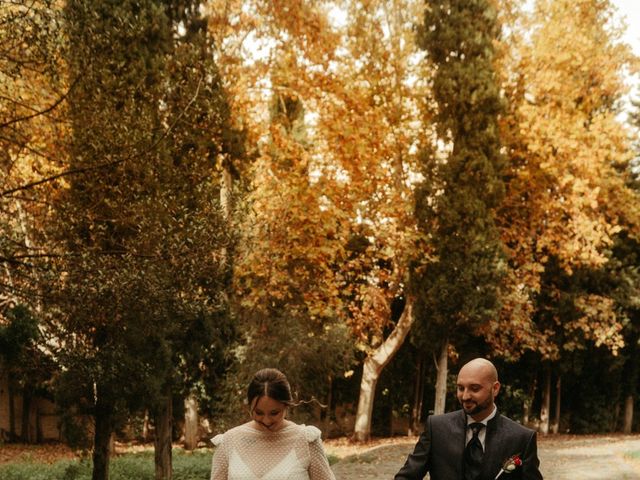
[(510, 464)]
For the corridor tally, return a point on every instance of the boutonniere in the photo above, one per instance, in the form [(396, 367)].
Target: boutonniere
[(509, 465)]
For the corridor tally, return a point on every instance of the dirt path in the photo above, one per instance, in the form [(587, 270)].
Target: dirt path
[(599, 458), (562, 458)]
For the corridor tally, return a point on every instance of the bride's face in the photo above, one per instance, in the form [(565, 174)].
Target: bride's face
[(268, 414)]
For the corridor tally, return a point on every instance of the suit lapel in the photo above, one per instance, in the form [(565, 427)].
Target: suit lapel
[(459, 441), (492, 461)]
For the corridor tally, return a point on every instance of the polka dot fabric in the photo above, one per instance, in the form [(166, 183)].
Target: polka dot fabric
[(293, 453)]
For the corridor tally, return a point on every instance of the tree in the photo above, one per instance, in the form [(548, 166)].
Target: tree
[(33, 95), (565, 188), (370, 122), (32, 98), (28, 368), (361, 102), (287, 245), (634, 120), (139, 292), (623, 270), (459, 291)]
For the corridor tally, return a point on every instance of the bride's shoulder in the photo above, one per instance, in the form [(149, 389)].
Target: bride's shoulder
[(310, 432), (218, 439), (230, 434)]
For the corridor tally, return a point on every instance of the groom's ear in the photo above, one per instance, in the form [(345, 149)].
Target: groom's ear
[(496, 388)]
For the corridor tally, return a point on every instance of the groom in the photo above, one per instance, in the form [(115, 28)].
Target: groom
[(474, 443)]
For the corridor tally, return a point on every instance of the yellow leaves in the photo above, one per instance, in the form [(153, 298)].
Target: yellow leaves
[(289, 242), (599, 323), (342, 169), (348, 166), (570, 133), (566, 196)]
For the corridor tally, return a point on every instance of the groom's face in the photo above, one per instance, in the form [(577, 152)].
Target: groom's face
[(476, 392)]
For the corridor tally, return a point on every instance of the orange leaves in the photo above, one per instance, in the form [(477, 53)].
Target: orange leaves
[(569, 130), (598, 323), (336, 119), (42, 454), (566, 145), (289, 241), (334, 98)]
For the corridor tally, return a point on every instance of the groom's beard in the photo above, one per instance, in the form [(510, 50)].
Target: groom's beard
[(473, 408)]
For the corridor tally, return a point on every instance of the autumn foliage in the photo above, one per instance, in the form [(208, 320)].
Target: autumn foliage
[(308, 184)]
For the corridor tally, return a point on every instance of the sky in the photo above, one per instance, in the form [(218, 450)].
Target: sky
[(631, 10)]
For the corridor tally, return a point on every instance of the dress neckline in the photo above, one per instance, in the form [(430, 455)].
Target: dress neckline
[(248, 426)]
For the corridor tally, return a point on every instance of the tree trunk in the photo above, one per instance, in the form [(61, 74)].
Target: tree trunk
[(555, 426), (526, 407), (441, 379), (628, 414), (546, 402), (163, 419), (39, 432), (190, 423), (145, 427), (370, 373), (12, 409), (325, 414), (226, 187), (25, 434), (102, 438), (415, 425), (373, 366)]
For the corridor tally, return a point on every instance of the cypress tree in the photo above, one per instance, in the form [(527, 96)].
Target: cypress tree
[(459, 290)]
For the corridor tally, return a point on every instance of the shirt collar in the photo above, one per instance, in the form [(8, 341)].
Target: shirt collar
[(486, 420)]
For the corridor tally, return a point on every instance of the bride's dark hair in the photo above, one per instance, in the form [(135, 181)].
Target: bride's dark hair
[(271, 383)]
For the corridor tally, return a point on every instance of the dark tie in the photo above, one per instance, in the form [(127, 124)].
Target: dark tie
[(473, 453)]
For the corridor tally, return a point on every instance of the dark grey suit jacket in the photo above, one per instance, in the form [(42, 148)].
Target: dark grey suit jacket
[(440, 448)]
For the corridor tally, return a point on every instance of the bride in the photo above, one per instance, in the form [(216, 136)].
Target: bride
[(270, 447)]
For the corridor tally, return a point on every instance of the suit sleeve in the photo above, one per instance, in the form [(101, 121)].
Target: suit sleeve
[(417, 464), (530, 460)]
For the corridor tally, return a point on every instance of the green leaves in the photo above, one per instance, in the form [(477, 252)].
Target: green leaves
[(18, 336), (459, 291), (139, 298)]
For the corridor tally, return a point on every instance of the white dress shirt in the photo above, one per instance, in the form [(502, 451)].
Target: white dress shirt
[(483, 432)]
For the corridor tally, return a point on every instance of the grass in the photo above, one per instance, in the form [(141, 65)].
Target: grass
[(633, 455), (194, 465), (332, 458), (139, 466)]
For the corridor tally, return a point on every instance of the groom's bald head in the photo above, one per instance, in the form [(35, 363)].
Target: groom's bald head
[(477, 388), (481, 368)]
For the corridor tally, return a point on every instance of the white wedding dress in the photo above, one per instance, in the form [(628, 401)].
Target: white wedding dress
[(294, 452)]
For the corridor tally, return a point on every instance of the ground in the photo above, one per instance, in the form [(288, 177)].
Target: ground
[(563, 457), (46, 453), (602, 457)]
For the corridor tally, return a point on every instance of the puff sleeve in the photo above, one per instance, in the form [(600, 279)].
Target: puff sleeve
[(220, 462), (319, 468)]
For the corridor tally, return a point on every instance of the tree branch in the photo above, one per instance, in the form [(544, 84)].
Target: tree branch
[(41, 112), (76, 171)]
